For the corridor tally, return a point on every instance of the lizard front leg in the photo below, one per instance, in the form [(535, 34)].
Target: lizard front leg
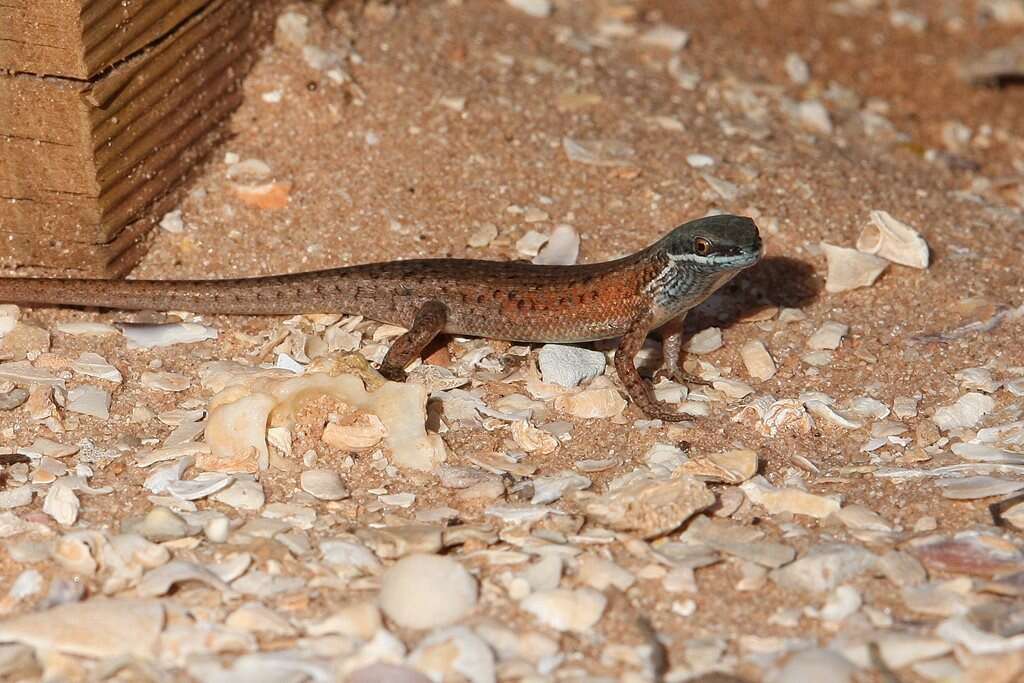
[(429, 321), (671, 352), (639, 391)]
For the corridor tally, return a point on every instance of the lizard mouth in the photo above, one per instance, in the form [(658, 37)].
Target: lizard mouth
[(738, 257)]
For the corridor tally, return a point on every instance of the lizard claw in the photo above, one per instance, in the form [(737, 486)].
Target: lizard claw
[(680, 376), (659, 410)]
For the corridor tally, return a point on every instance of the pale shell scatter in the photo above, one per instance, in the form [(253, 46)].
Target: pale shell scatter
[(797, 69), (971, 488), (9, 315), (426, 591), (732, 467), (733, 388), (568, 366), (980, 379), (550, 489), (723, 188), (533, 440), (699, 160), (893, 240), (793, 500), (484, 234), (706, 341), (665, 36), (530, 243), (818, 665), (61, 503), (239, 416), (566, 535), (116, 628), (145, 336), (85, 327), (534, 8), (758, 360), (650, 507), (94, 365), (598, 152), (562, 247), (365, 431), (829, 336), (323, 484), (964, 413), (824, 567), (830, 414), (850, 269), (567, 610), (868, 407), (593, 403), (904, 407), (89, 400), (165, 381), (813, 116), (454, 653), (818, 359), (775, 415)]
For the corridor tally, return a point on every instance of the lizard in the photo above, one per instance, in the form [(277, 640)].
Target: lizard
[(514, 301)]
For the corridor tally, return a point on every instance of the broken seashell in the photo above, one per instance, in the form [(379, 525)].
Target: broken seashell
[(849, 269), (826, 412), (977, 378), (533, 440), (972, 488), (758, 360), (707, 340), (733, 388), (650, 508), (731, 467), (796, 501), (562, 247), (568, 366), (567, 610), (592, 403), (893, 240), (828, 336), (965, 413), (366, 431), (240, 414)]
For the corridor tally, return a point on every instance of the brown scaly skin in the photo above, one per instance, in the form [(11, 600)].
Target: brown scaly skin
[(626, 298)]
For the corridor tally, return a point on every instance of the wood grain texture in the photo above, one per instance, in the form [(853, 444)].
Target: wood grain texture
[(81, 162)]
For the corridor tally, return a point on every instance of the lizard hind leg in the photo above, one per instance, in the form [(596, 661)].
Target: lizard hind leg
[(429, 322)]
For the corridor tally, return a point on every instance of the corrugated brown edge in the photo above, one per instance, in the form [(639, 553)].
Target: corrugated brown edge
[(116, 257)]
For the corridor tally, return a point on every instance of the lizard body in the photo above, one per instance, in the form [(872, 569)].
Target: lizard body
[(511, 301)]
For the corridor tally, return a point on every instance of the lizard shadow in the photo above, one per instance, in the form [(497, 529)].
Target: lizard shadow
[(775, 281)]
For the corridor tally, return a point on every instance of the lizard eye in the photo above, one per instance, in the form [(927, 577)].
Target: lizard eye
[(701, 246)]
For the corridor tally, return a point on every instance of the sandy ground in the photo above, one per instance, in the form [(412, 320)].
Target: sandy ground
[(393, 131)]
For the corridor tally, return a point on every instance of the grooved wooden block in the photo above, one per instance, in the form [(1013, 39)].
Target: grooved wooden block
[(79, 38), (88, 166)]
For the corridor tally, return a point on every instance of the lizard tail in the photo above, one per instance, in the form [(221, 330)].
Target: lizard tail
[(230, 296)]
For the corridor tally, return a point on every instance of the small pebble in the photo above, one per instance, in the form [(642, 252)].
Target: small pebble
[(427, 591), (323, 484)]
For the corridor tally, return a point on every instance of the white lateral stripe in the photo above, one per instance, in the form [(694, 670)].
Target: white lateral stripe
[(707, 260)]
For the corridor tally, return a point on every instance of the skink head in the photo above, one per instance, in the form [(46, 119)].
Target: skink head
[(697, 258), (714, 243)]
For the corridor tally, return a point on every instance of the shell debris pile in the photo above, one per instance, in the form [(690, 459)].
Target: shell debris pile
[(234, 499)]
